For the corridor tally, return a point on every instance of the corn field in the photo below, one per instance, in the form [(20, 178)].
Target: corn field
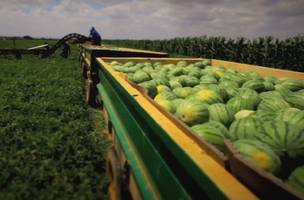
[(264, 51)]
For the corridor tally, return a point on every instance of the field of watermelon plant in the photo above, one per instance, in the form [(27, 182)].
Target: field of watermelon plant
[(265, 51), (51, 145), (262, 116)]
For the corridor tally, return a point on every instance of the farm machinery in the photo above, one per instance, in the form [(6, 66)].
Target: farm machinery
[(45, 50)]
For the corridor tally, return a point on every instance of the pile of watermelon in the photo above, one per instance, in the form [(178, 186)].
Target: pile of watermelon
[(262, 116)]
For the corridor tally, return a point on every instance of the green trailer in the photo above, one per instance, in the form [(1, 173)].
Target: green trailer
[(153, 156)]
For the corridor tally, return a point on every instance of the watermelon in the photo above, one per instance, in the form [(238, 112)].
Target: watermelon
[(296, 99), (237, 104), (150, 86), (244, 113), (199, 64), (207, 96), (192, 112), (250, 95), (208, 80), (256, 85), (155, 64), (273, 104), (148, 69), (230, 87), (210, 134), (167, 105), (165, 96), (283, 90), (219, 91), (249, 75), (169, 66), (271, 79), (283, 138), (268, 85), (174, 84), (219, 112), (219, 73), (270, 95), (177, 102), (264, 115), (196, 72), (181, 63), (129, 64), (244, 128), (183, 92), (177, 71), (258, 154), (228, 83), (233, 77), (141, 76), (287, 114), (293, 85), (162, 88), (161, 80), (190, 81), (293, 117), (219, 126), (296, 179)]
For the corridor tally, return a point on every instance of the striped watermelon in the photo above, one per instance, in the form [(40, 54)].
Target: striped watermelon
[(249, 75), (219, 112), (293, 85), (182, 92), (165, 96), (213, 87), (296, 118), (162, 88), (167, 105), (283, 138), (257, 85), (210, 134), (192, 112), (296, 179), (244, 128), (268, 85), (264, 115), (208, 80), (219, 126), (207, 95), (273, 104), (283, 90), (175, 84), (270, 95), (235, 77), (259, 154), (236, 104), (250, 95), (296, 99), (287, 114), (271, 79)]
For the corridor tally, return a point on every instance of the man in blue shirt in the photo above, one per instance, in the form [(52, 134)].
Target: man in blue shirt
[(96, 39)]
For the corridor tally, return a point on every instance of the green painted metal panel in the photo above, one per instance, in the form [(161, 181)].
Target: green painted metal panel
[(140, 153)]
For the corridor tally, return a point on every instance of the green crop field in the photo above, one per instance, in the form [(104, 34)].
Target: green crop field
[(51, 145), (265, 51)]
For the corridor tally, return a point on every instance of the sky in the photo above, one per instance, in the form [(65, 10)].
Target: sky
[(152, 19)]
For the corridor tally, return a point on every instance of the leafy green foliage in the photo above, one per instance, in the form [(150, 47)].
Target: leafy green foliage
[(265, 51), (49, 146)]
